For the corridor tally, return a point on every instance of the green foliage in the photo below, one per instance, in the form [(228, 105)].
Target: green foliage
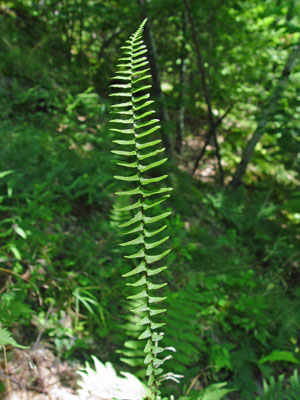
[(235, 254), (215, 391), (281, 389), (182, 327), (132, 122), (278, 355), (7, 339)]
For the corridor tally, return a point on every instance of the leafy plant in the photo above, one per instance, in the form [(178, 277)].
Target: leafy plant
[(133, 124), (7, 339), (103, 382), (281, 390)]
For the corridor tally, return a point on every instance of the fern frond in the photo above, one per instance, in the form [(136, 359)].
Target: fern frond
[(134, 123)]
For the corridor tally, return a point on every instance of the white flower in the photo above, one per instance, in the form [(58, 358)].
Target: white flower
[(102, 383)]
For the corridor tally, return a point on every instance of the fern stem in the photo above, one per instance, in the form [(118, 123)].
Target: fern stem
[(133, 120), (154, 386), (6, 371)]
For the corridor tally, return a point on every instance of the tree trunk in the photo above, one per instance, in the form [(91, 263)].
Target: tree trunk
[(156, 80), (265, 115), (182, 83), (204, 80)]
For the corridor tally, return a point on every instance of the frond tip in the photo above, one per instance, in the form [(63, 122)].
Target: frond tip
[(133, 119)]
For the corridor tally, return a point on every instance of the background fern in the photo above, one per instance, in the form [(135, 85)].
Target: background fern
[(281, 390), (138, 156)]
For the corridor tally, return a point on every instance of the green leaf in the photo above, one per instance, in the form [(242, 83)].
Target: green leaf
[(139, 60), (125, 131), (121, 85), (157, 337), (124, 59), (6, 338), (148, 132), (145, 334), (135, 67), (138, 240), (128, 165), (139, 295), (158, 371), (124, 72), (141, 125), (140, 282), (125, 78), (124, 153), (140, 98), (139, 53), (148, 346), (122, 121), (152, 154), (20, 231), (215, 392), (152, 204), (140, 268), (138, 217), (156, 299), (125, 94), (137, 116), (154, 286), (151, 220), (121, 105), (152, 259), (140, 89), (127, 65), (156, 271), (157, 362), (149, 370), (3, 174), (144, 168), (16, 252), (141, 79), (138, 228), (140, 309), (132, 178), (139, 254), (147, 181), (155, 244), (138, 48), (135, 44), (129, 192), (149, 357), (129, 112), (279, 355), (147, 103), (124, 142), (147, 193), (130, 207), (133, 362), (143, 321), (153, 233), (155, 312), (155, 325)]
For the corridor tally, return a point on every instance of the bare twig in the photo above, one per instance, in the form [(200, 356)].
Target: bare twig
[(209, 135)]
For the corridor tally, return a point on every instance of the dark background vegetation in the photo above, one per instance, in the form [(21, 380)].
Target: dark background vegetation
[(226, 80)]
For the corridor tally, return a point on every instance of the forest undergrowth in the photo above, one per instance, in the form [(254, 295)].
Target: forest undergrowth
[(233, 294)]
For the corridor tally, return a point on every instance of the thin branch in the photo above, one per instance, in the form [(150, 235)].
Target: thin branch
[(107, 42), (209, 135)]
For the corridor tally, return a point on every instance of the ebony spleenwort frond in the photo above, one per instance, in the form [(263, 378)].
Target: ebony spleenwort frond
[(138, 151)]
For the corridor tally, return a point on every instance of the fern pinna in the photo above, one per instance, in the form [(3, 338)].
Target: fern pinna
[(138, 154)]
